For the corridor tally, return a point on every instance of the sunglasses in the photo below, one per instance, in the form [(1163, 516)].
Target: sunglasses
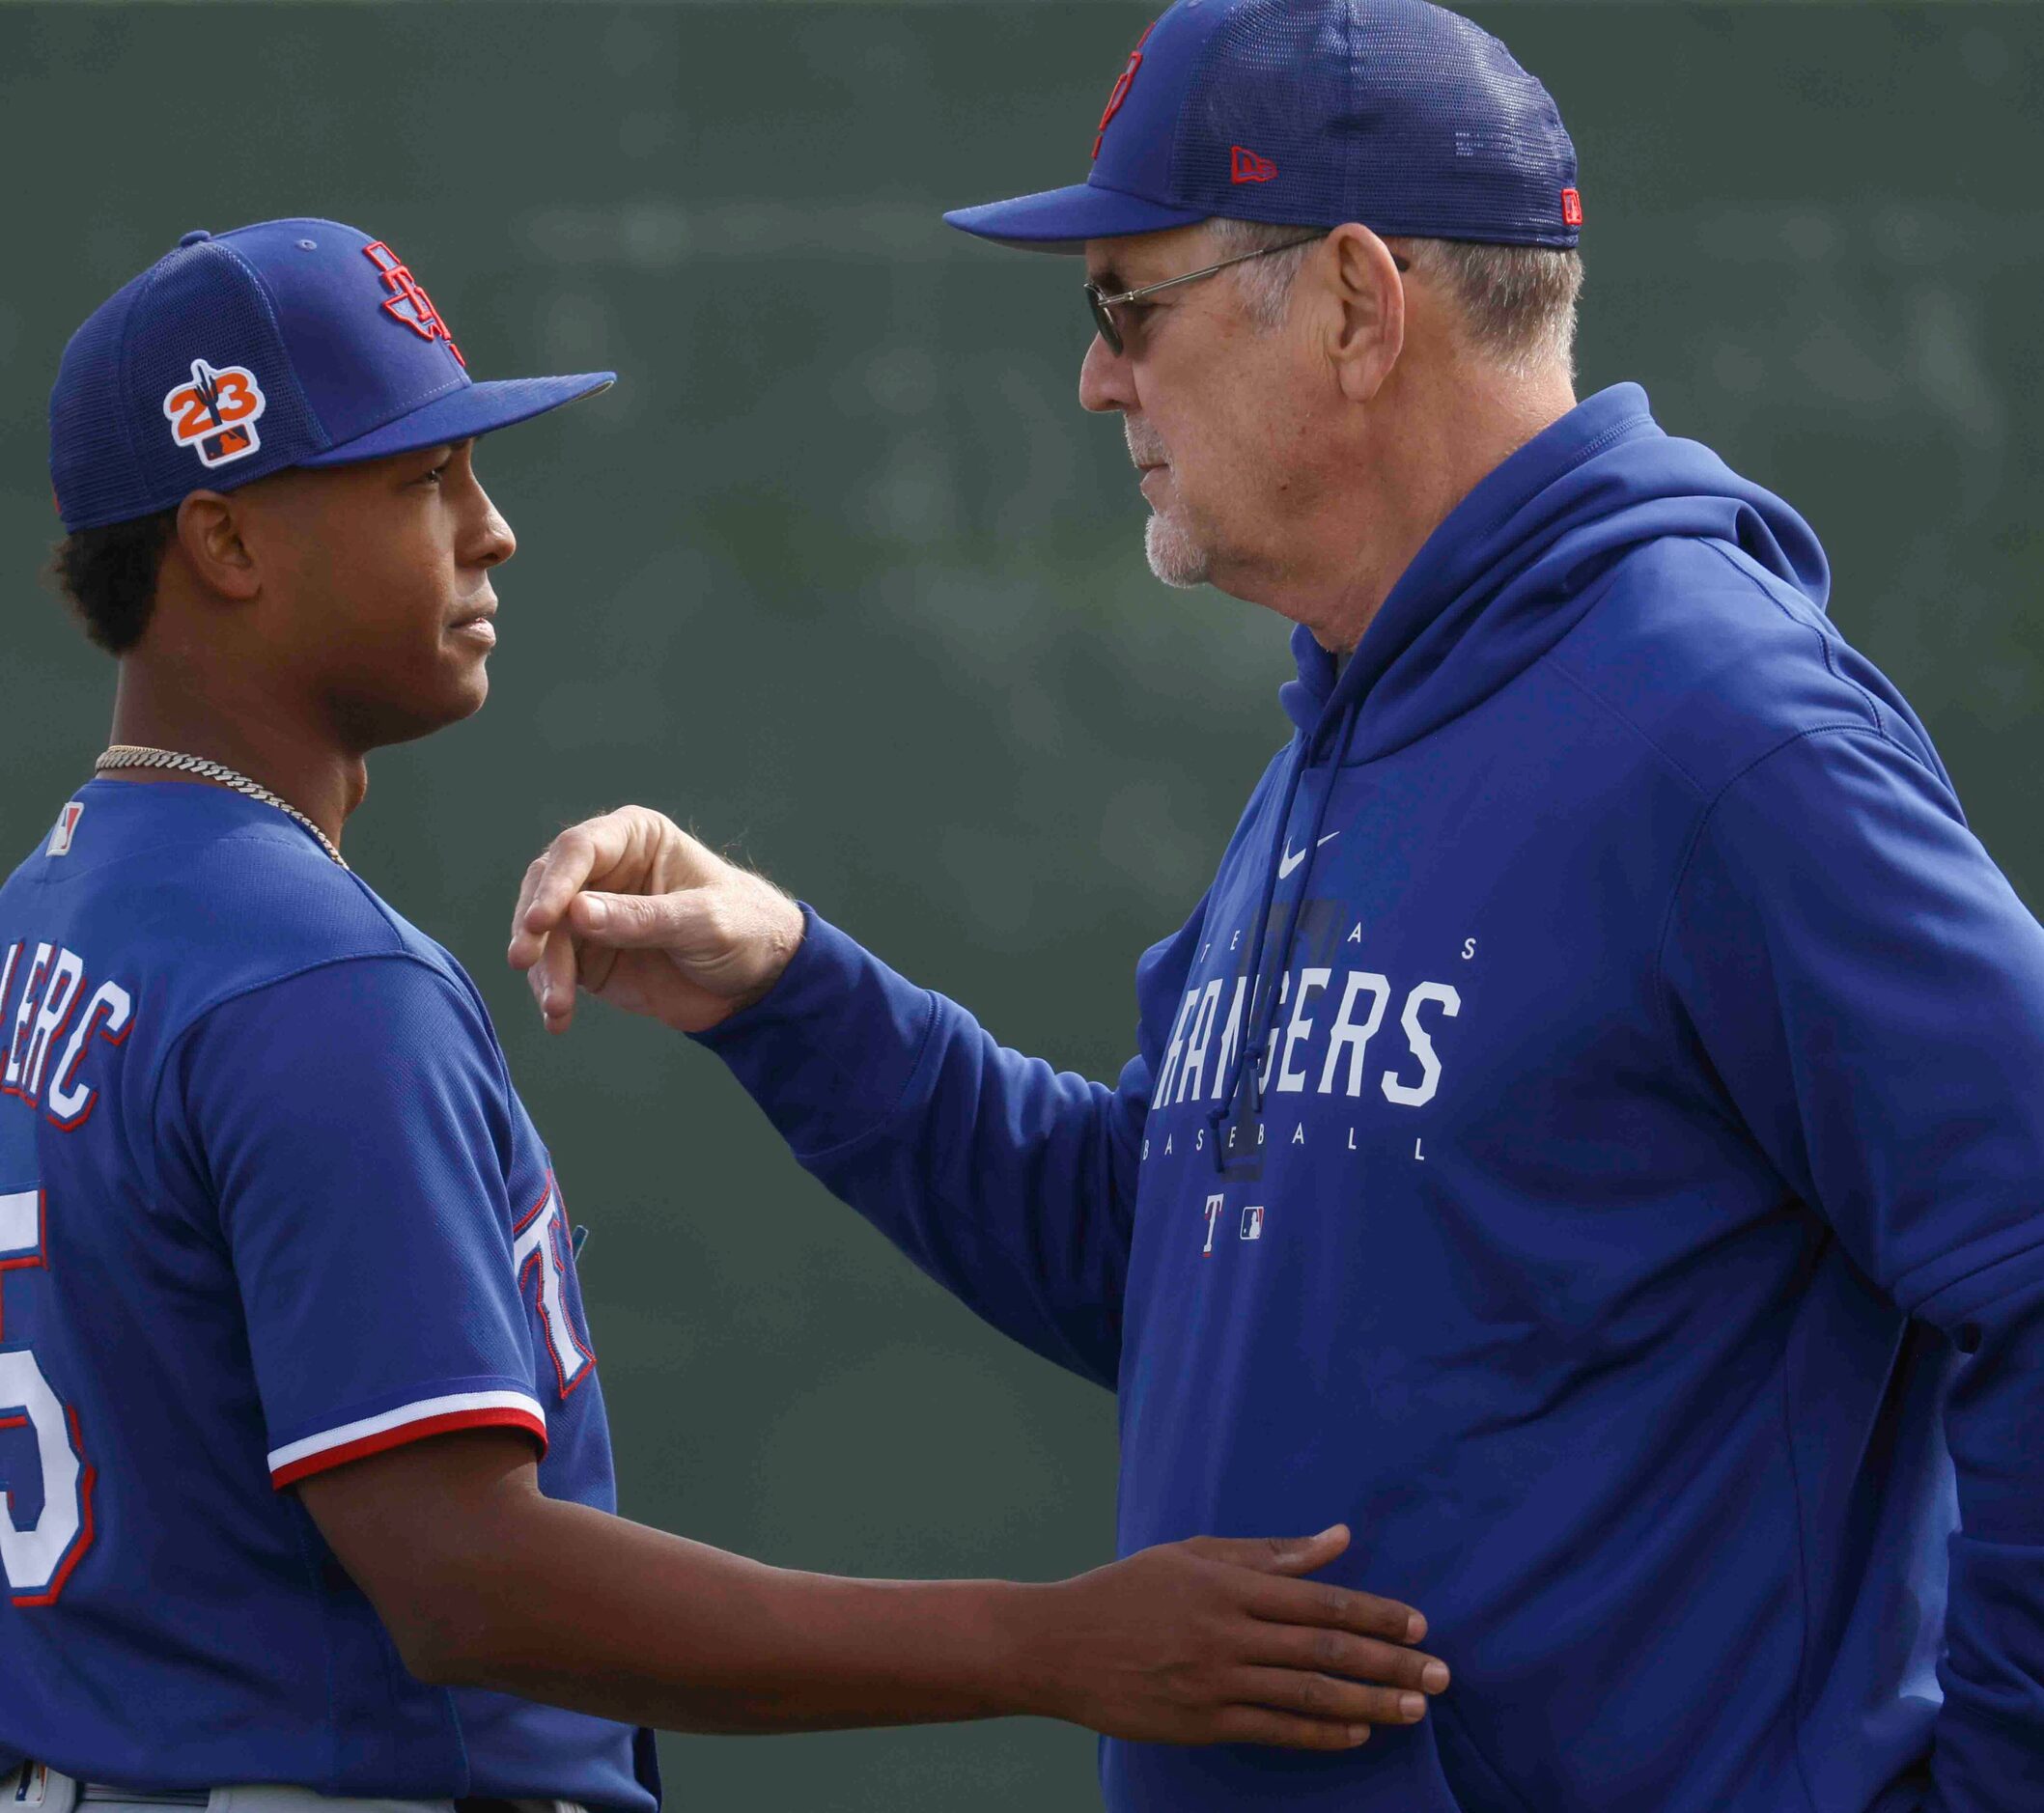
[(1102, 305)]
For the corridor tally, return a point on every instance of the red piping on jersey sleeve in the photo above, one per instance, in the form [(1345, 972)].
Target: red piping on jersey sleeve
[(405, 1433)]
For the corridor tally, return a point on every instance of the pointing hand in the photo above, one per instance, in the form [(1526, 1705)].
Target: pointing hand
[(631, 908)]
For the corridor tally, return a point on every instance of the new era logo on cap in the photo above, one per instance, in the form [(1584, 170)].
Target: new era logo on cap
[(1244, 166)]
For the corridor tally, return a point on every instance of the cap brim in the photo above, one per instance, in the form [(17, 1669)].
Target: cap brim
[(1063, 220), (462, 414)]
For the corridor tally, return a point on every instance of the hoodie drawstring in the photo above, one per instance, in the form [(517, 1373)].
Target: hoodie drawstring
[(1257, 1037), (1218, 1117)]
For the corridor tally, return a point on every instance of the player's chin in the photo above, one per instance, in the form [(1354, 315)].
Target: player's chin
[(1175, 555), (465, 670), (467, 699), (446, 695)]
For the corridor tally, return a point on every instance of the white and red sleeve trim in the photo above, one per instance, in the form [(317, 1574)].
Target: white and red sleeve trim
[(409, 1422)]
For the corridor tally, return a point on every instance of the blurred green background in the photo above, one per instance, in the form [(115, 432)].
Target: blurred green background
[(840, 572)]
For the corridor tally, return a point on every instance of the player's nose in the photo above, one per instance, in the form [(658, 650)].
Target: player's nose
[(1103, 380), (490, 542)]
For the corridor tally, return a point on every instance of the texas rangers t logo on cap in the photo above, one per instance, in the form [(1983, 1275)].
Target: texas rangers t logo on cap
[(408, 302), (216, 413), (1120, 91)]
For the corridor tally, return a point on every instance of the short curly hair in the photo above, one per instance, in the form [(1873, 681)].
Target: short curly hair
[(108, 576)]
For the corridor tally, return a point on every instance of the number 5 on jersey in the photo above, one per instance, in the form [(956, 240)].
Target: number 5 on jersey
[(38, 1429)]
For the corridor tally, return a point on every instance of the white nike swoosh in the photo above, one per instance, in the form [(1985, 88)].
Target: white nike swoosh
[(1291, 860)]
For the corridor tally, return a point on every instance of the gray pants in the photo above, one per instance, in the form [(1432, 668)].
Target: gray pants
[(34, 1788)]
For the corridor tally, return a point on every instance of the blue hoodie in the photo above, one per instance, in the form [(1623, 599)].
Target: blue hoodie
[(1589, 1139)]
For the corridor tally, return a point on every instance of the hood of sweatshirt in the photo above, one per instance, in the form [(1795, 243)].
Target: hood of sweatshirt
[(1515, 566), (1508, 575)]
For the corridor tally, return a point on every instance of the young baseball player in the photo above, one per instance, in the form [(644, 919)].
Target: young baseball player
[(308, 1485)]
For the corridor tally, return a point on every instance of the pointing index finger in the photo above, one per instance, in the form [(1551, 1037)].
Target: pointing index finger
[(525, 948), (568, 864)]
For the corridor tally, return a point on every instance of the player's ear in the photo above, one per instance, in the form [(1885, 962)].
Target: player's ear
[(1368, 336), (209, 537)]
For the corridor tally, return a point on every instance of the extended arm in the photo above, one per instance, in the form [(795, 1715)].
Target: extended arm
[(356, 1235), (484, 1582), (1010, 1183)]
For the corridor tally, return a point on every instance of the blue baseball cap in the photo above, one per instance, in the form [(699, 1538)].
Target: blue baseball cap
[(1394, 113), (291, 342)]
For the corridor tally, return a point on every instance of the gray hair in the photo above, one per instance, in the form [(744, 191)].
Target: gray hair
[(1518, 302)]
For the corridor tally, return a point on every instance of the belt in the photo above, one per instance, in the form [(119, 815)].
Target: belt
[(100, 1792)]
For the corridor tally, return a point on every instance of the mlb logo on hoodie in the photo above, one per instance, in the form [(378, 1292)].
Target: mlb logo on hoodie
[(60, 839), (1253, 1223)]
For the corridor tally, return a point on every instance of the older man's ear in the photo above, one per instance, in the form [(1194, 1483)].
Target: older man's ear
[(1360, 278)]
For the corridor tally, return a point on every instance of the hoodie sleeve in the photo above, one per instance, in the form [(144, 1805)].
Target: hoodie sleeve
[(1010, 1183), (1869, 992)]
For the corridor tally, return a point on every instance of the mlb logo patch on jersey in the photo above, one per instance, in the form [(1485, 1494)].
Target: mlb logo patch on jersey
[(215, 414), (60, 839), (28, 1788)]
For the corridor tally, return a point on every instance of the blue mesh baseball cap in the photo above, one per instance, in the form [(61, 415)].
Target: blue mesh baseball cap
[(291, 342), (1394, 113)]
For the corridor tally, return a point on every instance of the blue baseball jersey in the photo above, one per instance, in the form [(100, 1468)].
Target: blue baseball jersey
[(269, 1204)]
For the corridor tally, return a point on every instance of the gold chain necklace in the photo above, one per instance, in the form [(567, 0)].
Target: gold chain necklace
[(123, 755)]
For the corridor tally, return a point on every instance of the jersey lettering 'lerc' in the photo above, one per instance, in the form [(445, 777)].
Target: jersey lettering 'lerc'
[(269, 1205)]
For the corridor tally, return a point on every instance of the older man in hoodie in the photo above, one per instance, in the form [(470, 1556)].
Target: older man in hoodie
[(1588, 1136)]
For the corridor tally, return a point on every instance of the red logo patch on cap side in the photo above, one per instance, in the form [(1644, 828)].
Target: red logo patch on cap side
[(1244, 166), (216, 413), (408, 302), (1571, 209), (1122, 84)]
